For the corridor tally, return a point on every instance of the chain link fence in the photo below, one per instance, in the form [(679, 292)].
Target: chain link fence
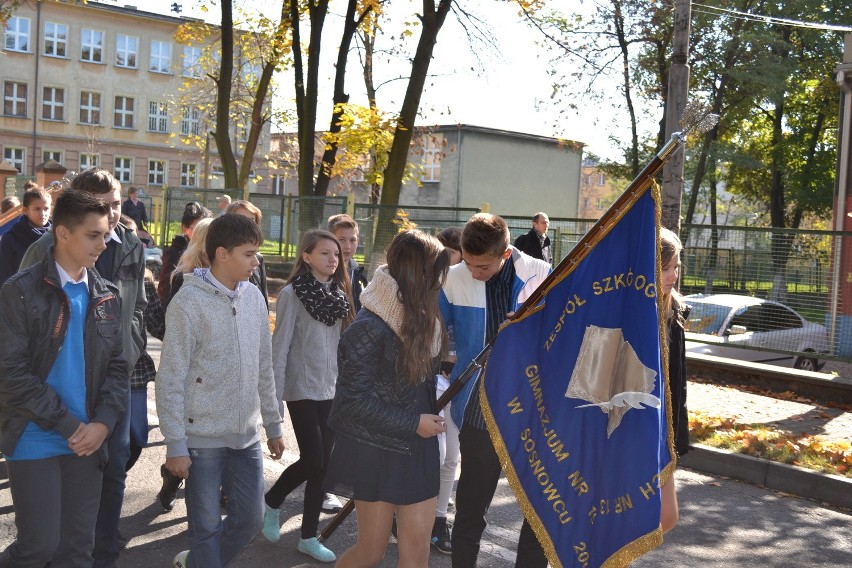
[(772, 295), (285, 217)]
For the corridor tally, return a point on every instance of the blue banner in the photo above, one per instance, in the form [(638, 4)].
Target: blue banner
[(576, 400)]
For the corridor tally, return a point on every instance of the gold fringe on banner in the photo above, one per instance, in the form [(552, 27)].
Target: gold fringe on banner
[(644, 544)]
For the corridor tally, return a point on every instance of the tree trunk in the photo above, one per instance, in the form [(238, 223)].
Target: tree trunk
[(369, 49), (222, 135), (306, 87), (258, 117), (633, 155), (432, 21), (350, 26)]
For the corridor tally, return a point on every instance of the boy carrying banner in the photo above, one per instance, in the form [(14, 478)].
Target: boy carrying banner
[(492, 281)]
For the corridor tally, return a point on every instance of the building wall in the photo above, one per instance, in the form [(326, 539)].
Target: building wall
[(516, 173), (597, 192), (70, 136)]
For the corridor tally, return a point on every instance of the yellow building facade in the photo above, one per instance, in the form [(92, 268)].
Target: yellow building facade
[(97, 85)]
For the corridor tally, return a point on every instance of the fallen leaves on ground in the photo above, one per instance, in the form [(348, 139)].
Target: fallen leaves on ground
[(812, 452)]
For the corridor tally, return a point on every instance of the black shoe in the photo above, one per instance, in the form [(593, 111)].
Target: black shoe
[(441, 535), (168, 493), (122, 541)]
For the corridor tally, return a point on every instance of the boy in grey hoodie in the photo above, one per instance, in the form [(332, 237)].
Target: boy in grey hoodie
[(212, 401)]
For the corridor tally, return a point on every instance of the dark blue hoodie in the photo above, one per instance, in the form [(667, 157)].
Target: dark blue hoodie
[(15, 243)]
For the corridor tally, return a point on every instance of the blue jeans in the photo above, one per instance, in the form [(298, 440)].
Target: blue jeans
[(112, 493), (214, 542), (138, 424)]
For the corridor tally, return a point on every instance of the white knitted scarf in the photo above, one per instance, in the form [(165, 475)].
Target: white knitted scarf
[(380, 297)]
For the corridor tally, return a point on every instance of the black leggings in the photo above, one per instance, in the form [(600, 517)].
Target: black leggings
[(315, 439)]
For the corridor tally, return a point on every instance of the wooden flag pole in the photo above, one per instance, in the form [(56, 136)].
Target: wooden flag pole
[(633, 192)]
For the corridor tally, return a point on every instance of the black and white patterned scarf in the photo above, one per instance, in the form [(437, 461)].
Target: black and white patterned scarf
[(324, 305)]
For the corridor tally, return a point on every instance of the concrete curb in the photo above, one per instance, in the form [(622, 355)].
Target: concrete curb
[(800, 481), (822, 387)]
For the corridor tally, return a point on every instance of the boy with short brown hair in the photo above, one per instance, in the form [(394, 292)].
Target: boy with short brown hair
[(493, 280), (212, 401), (63, 388), (345, 230), (34, 223)]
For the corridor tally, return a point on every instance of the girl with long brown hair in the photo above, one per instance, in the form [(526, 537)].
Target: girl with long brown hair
[(386, 453), (313, 309)]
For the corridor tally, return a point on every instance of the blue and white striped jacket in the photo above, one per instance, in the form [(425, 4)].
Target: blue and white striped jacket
[(462, 302)]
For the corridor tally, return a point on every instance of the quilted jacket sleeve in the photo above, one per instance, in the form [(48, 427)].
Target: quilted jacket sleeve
[(364, 387)]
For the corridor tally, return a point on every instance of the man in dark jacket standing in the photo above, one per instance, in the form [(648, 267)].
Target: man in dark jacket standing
[(123, 263), (135, 209), (536, 243)]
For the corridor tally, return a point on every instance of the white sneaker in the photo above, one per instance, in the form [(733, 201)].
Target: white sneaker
[(331, 504), (180, 559)]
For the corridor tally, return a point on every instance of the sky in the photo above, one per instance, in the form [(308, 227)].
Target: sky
[(505, 86)]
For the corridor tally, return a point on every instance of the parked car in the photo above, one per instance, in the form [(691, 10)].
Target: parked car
[(725, 324)]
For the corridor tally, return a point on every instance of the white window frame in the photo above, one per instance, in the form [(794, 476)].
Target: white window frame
[(94, 43), (123, 169), (601, 178), (157, 172), (55, 155), (188, 174), (125, 113), (279, 184), (160, 62), (88, 106), (88, 160), (158, 117), (55, 107), (124, 49), (432, 148), (16, 156), (17, 37), (190, 61), (191, 121), (55, 40), (16, 98)]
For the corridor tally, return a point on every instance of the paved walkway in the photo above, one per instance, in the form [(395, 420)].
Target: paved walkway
[(792, 413)]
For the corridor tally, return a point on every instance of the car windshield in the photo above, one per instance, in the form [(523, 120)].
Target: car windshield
[(705, 317)]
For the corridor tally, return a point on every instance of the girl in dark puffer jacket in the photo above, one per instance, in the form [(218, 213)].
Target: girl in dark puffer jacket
[(386, 452)]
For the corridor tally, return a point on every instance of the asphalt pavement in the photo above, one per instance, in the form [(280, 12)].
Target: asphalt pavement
[(723, 523)]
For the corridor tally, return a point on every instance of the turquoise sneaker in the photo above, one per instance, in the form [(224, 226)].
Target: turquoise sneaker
[(313, 548), (271, 523)]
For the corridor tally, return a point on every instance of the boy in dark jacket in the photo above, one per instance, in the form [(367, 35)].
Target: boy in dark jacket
[(63, 385), (123, 264), (25, 231)]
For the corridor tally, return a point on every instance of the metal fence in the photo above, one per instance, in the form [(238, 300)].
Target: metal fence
[(285, 217), (374, 236), (769, 292), (781, 298)]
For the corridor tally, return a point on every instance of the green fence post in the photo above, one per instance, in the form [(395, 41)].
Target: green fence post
[(289, 202)]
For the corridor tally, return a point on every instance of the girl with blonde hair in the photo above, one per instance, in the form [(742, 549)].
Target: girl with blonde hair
[(675, 312)]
